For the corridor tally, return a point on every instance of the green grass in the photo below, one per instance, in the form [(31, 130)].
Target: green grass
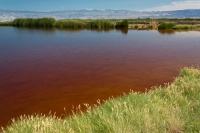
[(102, 24), (71, 24), (123, 24), (31, 22), (92, 24), (79, 24), (105, 24), (166, 26), (174, 108), (63, 24)]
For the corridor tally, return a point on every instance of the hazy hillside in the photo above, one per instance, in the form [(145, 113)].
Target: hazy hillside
[(94, 14)]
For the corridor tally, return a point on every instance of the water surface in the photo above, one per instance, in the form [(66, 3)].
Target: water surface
[(43, 70)]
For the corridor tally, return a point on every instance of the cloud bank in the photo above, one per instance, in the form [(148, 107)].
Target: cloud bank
[(181, 5)]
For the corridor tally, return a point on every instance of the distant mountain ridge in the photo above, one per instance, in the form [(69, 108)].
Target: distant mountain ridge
[(7, 15)]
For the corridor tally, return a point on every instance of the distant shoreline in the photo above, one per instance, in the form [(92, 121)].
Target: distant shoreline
[(136, 24)]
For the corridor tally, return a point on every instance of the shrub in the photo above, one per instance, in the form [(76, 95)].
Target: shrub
[(136, 26), (124, 24), (101, 24)]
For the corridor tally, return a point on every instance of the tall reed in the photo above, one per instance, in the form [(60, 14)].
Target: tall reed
[(5, 23), (166, 25), (75, 24), (31, 22)]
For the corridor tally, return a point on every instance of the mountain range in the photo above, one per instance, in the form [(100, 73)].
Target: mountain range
[(7, 15)]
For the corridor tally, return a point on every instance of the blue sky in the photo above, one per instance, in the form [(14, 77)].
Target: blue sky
[(136, 5)]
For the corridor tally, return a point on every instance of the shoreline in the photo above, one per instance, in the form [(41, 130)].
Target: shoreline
[(172, 108), (101, 24)]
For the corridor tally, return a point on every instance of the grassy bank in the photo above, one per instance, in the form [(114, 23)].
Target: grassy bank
[(174, 108)]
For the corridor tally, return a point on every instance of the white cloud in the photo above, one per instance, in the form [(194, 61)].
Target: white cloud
[(181, 5)]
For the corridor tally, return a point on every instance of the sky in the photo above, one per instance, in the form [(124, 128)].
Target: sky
[(134, 5)]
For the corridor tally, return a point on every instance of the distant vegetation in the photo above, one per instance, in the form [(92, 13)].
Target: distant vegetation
[(105, 24), (123, 24), (102, 24), (183, 26), (73, 24), (166, 26), (93, 24), (165, 23), (178, 26), (5, 23), (174, 108), (31, 22)]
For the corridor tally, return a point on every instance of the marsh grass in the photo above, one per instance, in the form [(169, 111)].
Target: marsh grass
[(178, 26), (166, 26), (5, 23), (185, 27), (63, 24), (174, 108), (102, 24), (32, 22), (75, 24), (191, 24), (123, 24), (92, 24)]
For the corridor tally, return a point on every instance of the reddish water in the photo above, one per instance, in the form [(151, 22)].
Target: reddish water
[(43, 70)]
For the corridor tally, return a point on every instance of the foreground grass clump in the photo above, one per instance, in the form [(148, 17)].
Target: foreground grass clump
[(174, 108)]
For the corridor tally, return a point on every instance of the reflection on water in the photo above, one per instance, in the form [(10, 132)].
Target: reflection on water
[(71, 30), (31, 29), (169, 32), (43, 70), (123, 30)]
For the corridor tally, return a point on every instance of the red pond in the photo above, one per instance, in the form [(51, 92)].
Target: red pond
[(43, 70)]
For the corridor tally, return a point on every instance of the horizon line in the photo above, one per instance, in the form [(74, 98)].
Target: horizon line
[(95, 9)]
